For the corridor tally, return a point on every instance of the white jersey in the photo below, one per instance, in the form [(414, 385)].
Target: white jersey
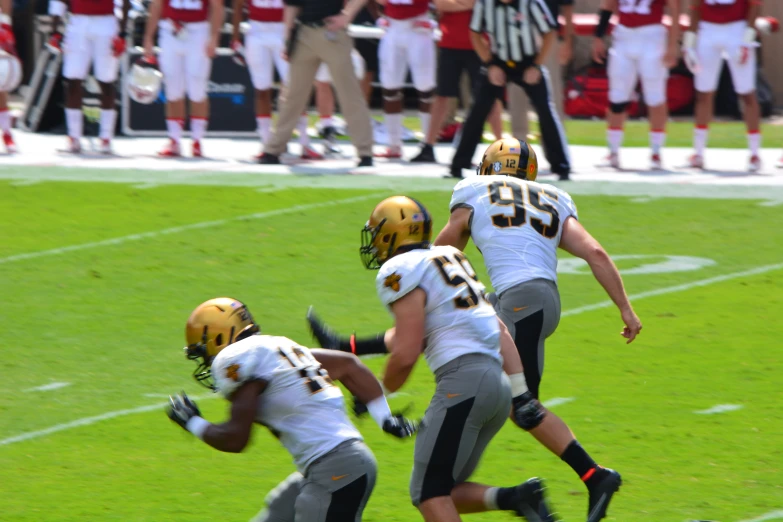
[(459, 319), (300, 405), (516, 225)]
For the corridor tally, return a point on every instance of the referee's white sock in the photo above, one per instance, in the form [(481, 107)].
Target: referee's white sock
[(394, 129), (615, 139)]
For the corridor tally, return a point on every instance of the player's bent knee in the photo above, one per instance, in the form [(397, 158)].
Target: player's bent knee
[(618, 108), (528, 413)]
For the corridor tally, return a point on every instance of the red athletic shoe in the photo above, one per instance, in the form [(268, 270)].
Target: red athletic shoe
[(310, 153), (754, 165), (390, 153), (171, 150), (696, 161), (10, 146), (197, 149)]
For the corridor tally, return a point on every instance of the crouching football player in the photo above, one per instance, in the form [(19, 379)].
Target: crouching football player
[(284, 386)]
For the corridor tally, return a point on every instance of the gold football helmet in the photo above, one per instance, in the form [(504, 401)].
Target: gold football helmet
[(212, 326), (396, 224), (510, 157)]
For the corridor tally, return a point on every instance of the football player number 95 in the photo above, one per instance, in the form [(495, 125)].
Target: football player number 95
[(518, 197), (186, 5), (316, 378)]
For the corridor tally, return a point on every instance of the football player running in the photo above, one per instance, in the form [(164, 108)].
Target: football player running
[(189, 32), (92, 36), (723, 29), (640, 49), (518, 225), (434, 295), (7, 45), (277, 383), (408, 41)]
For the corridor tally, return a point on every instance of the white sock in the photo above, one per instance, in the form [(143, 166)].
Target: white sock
[(491, 499), (754, 142), (394, 129), (700, 139), (304, 138), (108, 121), (424, 118), (74, 120), (5, 120), (615, 139), (327, 121), (198, 127), (175, 129), (264, 128), (657, 139)]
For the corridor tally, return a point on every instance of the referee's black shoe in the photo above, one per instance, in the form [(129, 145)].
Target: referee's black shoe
[(365, 161), (455, 171), (530, 502), (426, 155), (602, 487)]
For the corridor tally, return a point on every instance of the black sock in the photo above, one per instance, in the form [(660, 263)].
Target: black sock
[(366, 346), (506, 498), (576, 457)]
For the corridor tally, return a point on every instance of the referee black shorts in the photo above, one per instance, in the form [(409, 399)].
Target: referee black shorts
[(451, 64), (368, 48)]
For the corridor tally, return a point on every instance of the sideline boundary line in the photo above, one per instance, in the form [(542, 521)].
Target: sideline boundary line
[(603, 304), (182, 228)]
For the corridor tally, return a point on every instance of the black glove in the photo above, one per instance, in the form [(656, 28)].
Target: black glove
[(181, 409), (359, 408), (399, 426)]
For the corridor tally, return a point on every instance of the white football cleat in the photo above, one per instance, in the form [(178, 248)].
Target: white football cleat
[(105, 147), (74, 145), (171, 150), (655, 162), (612, 160), (779, 164), (696, 161), (390, 153), (754, 164)]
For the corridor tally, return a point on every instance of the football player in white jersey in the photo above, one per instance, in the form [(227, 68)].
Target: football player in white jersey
[(439, 309), (277, 383), (518, 225)]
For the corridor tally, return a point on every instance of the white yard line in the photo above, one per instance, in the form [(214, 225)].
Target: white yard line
[(668, 290), (678, 288), (49, 387), (719, 408), (174, 230), (86, 421), (772, 515), (557, 401)]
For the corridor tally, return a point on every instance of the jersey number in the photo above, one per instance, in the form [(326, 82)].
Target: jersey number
[(316, 378), (457, 271), (641, 7), (527, 206), (719, 2), (186, 5)]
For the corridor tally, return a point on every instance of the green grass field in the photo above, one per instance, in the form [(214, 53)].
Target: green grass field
[(108, 318)]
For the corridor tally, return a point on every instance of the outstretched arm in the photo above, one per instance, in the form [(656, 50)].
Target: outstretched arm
[(578, 242)]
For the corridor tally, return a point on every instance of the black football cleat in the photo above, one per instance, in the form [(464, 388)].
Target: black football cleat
[(605, 485), (530, 503), (269, 159), (365, 161), (426, 155), (322, 333)]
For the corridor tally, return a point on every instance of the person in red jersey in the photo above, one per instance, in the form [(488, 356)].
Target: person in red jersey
[(641, 48), (263, 53), (7, 44), (189, 32), (724, 29), (408, 42), (455, 56), (93, 36)]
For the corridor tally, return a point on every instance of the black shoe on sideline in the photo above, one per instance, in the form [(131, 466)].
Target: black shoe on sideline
[(605, 484), (531, 504), (426, 155), (269, 159), (365, 161), (322, 333)]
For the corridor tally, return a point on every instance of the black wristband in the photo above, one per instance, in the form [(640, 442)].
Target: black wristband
[(603, 23)]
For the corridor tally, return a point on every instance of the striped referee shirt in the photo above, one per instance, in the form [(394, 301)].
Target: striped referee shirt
[(514, 28)]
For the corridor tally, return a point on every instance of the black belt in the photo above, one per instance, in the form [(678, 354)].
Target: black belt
[(314, 23)]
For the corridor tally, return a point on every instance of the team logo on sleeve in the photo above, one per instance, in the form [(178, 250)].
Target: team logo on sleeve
[(232, 372), (393, 282)]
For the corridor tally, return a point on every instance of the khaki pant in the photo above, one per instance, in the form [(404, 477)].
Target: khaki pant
[(312, 48), (518, 105)]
